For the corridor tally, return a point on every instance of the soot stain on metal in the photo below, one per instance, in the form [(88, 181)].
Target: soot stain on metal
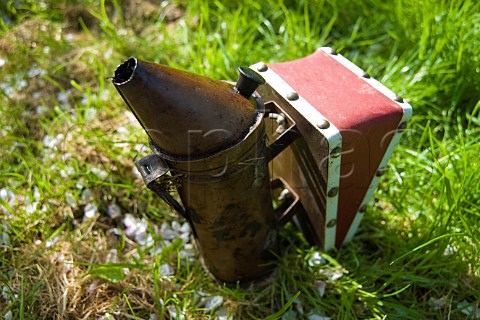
[(225, 234), (194, 216)]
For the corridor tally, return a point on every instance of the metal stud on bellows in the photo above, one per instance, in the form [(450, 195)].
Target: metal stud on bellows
[(248, 81)]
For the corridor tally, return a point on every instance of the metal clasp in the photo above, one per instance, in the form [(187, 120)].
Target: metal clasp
[(157, 176)]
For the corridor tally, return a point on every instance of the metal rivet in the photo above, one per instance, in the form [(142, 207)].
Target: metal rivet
[(332, 223), (336, 152), (398, 99), (292, 96), (365, 75), (332, 192), (402, 126), (381, 171), (323, 124), (262, 67), (362, 209), (333, 51)]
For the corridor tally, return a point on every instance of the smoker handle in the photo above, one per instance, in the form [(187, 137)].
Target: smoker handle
[(282, 142)]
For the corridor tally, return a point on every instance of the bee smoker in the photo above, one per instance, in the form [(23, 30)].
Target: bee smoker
[(319, 126)]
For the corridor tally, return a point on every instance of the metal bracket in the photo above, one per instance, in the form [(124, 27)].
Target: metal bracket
[(311, 164), (282, 142), (290, 206), (158, 178)]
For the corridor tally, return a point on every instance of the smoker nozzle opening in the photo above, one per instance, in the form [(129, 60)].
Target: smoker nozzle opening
[(124, 72)]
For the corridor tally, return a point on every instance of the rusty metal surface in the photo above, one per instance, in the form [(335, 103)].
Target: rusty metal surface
[(184, 114), (227, 197)]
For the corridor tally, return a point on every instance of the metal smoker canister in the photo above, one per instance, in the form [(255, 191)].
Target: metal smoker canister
[(208, 139)]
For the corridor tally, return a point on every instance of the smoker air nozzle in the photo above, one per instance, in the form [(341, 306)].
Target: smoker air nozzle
[(248, 81)]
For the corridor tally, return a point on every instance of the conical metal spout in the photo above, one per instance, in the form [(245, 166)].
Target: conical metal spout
[(184, 114)]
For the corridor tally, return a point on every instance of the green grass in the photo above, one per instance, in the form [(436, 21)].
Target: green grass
[(416, 253)]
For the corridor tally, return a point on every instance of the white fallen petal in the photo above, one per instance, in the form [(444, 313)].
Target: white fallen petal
[(140, 148), (22, 84), (186, 254), (172, 311), (41, 110), (107, 54), (90, 114), (90, 210), (140, 233), (129, 220), (106, 316), (185, 237), (9, 91), (166, 270), (153, 316), (112, 256), (185, 228), (65, 157), (336, 275), (122, 130), (333, 275), (102, 174), (8, 315), (32, 207), (138, 230), (316, 259), (298, 303), (176, 226), (320, 287), (166, 232), (60, 258), (67, 265), (114, 211), (87, 195), (51, 142), (223, 314), (6, 293), (63, 96), (80, 183), (5, 238), (449, 250), (469, 309), (69, 37), (438, 304), (70, 200), (212, 303), (35, 71), (36, 194), (91, 288), (51, 242), (8, 196)]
